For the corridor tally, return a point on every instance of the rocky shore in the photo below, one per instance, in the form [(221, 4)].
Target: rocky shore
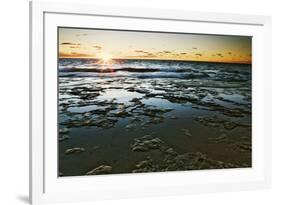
[(128, 125)]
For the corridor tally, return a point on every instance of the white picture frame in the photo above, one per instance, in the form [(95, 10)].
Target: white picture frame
[(46, 187)]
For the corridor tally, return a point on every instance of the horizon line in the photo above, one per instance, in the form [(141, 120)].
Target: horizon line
[(201, 61)]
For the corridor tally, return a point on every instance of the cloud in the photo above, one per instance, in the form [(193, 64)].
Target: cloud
[(194, 48), (97, 47), (199, 54), (66, 43), (70, 44), (229, 53), (148, 55), (143, 54), (164, 52), (183, 53), (81, 34), (74, 55), (219, 54), (140, 51)]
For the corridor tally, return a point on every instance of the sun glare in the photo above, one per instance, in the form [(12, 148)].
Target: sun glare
[(105, 57), (105, 61)]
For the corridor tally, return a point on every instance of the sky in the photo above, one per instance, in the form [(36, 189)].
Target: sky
[(113, 44)]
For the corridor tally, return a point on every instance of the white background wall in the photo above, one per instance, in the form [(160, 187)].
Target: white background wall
[(14, 100)]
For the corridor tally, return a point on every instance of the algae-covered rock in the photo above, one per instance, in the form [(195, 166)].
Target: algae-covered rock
[(146, 143), (74, 150), (102, 169)]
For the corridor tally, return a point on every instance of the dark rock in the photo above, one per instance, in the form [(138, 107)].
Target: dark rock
[(229, 125), (63, 137), (121, 113), (63, 130), (136, 100), (74, 150), (146, 143), (173, 117), (102, 169), (187, 132), (130, 126)]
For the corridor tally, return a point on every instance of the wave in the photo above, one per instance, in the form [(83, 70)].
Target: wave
[(174, 75), (126, 69), (143, 75), (146, 69)]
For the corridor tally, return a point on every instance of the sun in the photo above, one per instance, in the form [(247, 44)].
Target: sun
[(105, 60), (105, 57)]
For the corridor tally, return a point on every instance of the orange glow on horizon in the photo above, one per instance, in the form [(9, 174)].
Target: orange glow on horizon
[(107, 45)]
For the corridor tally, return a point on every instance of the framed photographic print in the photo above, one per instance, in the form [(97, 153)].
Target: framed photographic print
[(129, 102)]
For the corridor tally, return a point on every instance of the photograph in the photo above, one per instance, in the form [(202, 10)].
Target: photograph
[(134, 101)]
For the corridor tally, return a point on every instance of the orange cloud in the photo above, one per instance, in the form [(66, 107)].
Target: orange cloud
[(139, 51), (220, 55), (74, 55), (70, 44)]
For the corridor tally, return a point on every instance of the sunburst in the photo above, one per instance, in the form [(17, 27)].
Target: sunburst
[(105, 57)]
